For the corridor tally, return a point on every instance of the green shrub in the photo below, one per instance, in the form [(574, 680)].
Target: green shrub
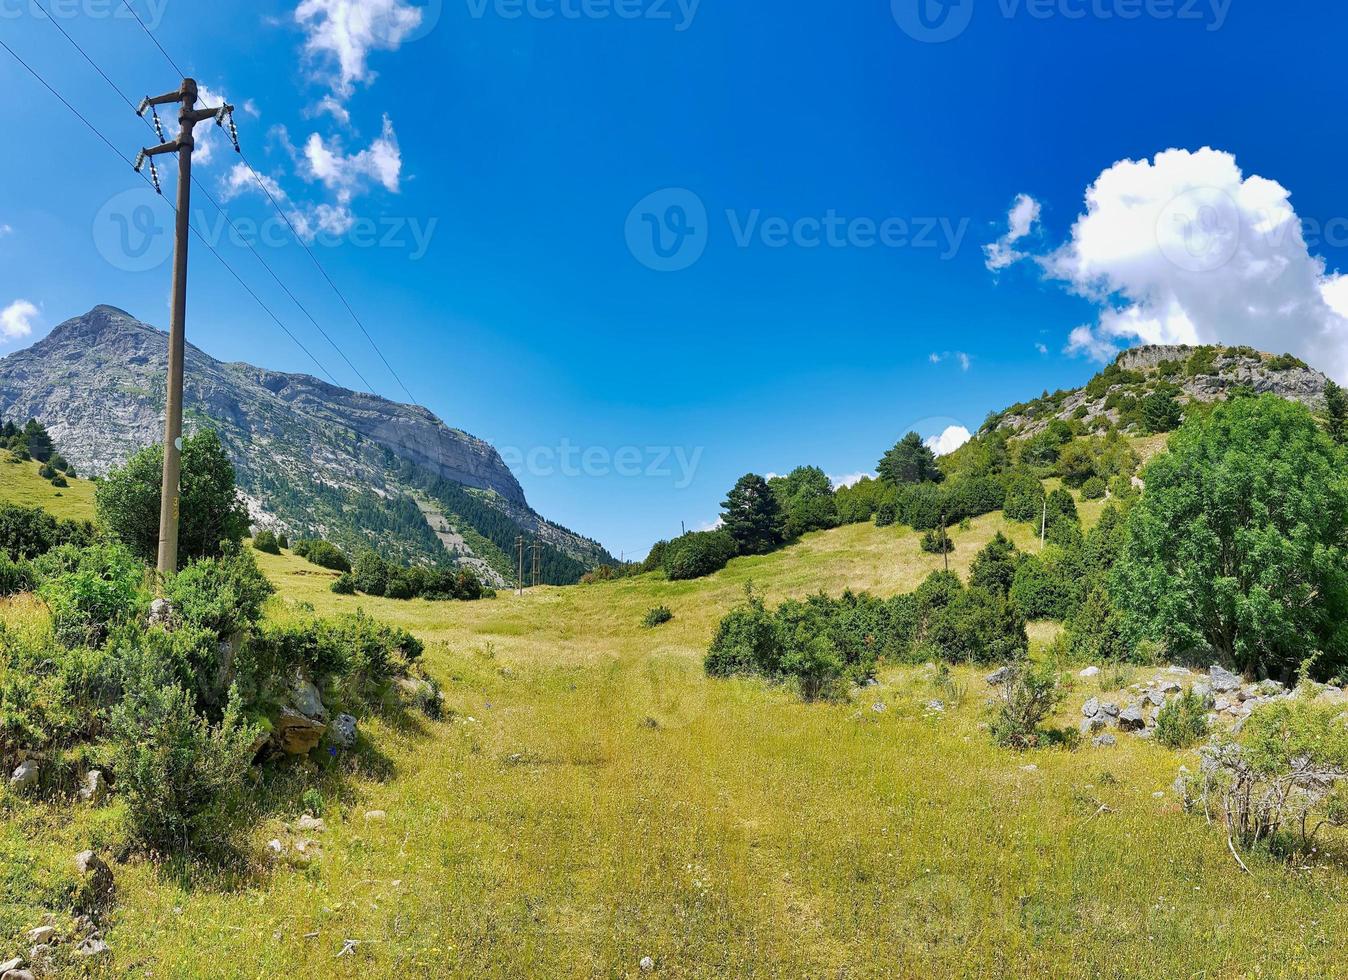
[(94, 590), (1024, 498), (1093, 489), (697, 554), (179, 774), (994, 568), (657, 617), (324, 554), (28, 532), (15, 576), (971, 626), (344, 584), (46, 471), (1182, 720), (937, 542), (265, 542), (224, 595), (59, 482), (1041, 591), (1028, 696)]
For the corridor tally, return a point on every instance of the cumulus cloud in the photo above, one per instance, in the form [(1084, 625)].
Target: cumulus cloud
[(1041, 348), (16, 319), (240, 180), (948, 441), (379, 163), (1021, 221), (963, 359), (849, 480), (1187, 249), (342, 33)]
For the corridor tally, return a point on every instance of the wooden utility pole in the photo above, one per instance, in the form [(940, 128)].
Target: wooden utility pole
[(945, 545), (188, 117), (1043, 526), (538, 564)]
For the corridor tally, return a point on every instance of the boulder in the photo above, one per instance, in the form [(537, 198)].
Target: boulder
[(1222, 680), (1131, 718), (647, 964), (305, 699), (296, 734), (25, 777), (95, 788), (1104, 741), (42, 935), (1090, 672), (1090, 709), (98, 880), (9, 965), (1094, 723), (92, 947), (310, 824), (161, 613), (16, 974), (344, 731), (1001, 676), (1110, 709)]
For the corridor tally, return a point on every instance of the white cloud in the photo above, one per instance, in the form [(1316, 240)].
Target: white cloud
[(948, 441), (6, 230), (344, 32), (850, 480), (240, 181), (964, 360), (1021, 221), (250, 107), (1041, 348), (16, 319), (1186, 249), (715, 525), (334, 108), (381, 163), (209, 137)]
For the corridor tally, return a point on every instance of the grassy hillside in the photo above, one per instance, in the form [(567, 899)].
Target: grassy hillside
[(20, 484), (595, 799)]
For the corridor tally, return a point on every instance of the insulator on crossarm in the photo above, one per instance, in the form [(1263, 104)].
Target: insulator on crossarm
[(140, 161), (154, 177), (158, 126)]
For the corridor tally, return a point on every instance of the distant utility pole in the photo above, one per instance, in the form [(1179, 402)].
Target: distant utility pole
[(519, 579), (945, 545), (1043, 526), (537, 560), (188, 117)]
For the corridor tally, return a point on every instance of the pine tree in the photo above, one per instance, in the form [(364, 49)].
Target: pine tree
[(752, 516), (38, 442), (910, 462)]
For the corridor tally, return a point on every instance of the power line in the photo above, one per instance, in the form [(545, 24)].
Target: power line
[(167, 57), (298, 237), (211, 248), (216, 204)]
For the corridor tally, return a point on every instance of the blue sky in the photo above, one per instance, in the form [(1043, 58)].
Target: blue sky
[(824, 181)]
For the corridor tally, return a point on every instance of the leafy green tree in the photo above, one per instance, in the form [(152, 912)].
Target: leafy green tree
[(752, 516), (1161, 413), (1061, 507), (910, 462), (805, 497), (1024, 498), (1336, 410), (1238, 545), (211, 513)]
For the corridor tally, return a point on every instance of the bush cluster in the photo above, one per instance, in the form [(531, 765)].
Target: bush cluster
[(378, 576), (324, 554)]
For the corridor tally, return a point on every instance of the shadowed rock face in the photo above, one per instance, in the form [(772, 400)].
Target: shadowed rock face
[(97, 382), (311, 458)]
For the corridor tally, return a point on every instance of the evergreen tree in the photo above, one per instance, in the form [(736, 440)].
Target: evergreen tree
[(1336, 407), (752, 516), (37, 441), (910, 462)]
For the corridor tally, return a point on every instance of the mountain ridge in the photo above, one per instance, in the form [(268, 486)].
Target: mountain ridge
[(312, 458)]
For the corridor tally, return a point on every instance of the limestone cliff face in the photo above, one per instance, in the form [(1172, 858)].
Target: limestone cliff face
[(309, 455)]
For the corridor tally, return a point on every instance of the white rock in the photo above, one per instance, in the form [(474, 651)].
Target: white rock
[(95, 788), (313, 825), (343, 731), (375, 816), (42, 934), (275, 846), (647, 964), (1090, 672), (92, 947), (25, 776), (9, 965)]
